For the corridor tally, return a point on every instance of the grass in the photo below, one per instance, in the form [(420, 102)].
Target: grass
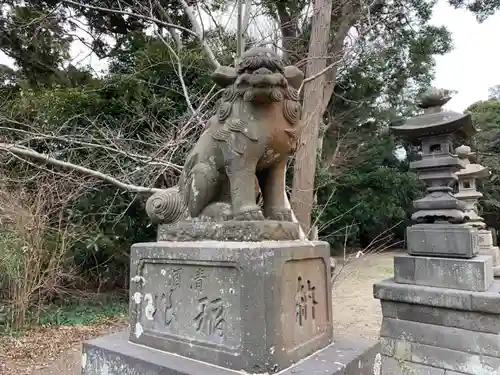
[(71, 313), (85, 313)]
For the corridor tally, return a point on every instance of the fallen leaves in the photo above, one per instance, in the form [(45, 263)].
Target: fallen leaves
[(38, 348)]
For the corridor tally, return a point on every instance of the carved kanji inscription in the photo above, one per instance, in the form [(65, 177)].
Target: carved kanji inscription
[(191, 302), (305, 306)]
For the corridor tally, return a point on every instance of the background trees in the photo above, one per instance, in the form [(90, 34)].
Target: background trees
[(109, 137), (486, 116)]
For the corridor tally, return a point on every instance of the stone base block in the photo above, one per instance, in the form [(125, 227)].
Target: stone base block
[(440, 316), (475, 274), (115, 355), (252, 306), (448, 240), (439, 331), (455, 299), (486, 246), (231, 230), (416, 356), (496, 271), (393, 366), (493, 251)]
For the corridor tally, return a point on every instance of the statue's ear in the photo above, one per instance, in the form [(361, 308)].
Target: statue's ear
[(224, 76), (294, 76)]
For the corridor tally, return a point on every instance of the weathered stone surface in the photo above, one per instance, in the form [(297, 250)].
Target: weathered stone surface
[(255, 306), (485, 239), (395, 348), (488, 301), (475, 274), (467, 192), (405, 331), (196, 230), (393, 366), (467, 320), (114, 355), (389, 290), (493, 251), (243, 150), (431, 358), (449, 240), (454, 360), (496, 271), (487, 247)]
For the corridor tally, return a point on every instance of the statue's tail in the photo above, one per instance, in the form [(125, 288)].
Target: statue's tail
[(166, 207)]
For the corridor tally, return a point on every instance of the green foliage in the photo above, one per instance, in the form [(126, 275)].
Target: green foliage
[(481, 8), (137, 108), (486, 117), (35, 38), (83, 313), (370, 199), (73, 312), (116, 221)]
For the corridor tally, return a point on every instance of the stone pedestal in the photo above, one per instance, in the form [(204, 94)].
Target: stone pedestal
[(443, 239), (441, 315), (256, 306), (466, 274), (441, 311), (115, 355), (210, 307), (439, 331), (486, 247)]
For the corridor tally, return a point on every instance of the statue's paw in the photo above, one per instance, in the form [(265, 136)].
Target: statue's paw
[(249, 214), (280, 214)]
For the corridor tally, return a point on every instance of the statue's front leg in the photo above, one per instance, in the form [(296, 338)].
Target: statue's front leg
[(241, 175), (276, 204)]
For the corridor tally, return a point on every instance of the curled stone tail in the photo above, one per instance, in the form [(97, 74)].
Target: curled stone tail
[(166, 206)]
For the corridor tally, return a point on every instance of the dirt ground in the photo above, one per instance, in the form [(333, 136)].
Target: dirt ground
[(355, 311), (56, 351)]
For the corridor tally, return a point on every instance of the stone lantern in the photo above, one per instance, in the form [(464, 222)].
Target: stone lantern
[(468, 193), (443, 291), (439, 215)]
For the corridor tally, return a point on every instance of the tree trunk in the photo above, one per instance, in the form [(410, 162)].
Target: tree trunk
[(305, 160)]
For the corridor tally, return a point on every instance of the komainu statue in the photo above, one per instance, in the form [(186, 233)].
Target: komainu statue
[(243, 150)]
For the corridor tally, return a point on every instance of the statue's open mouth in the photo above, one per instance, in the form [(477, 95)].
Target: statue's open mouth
[(261, 78), (262, 85)]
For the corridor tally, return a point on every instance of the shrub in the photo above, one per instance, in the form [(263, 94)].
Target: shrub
[(35, 242)]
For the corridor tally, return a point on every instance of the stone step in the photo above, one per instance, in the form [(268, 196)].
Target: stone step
[(114, 354)]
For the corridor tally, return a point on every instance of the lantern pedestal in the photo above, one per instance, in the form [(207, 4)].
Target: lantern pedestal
[(441, 311)]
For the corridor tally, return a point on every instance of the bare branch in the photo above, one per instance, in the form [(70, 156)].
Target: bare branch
[(132, 14), (32, 154), (240, 39), (199, 33), (317, 75), (136, 157)]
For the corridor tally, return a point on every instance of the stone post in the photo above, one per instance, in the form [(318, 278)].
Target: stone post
[(441, 311), (467, 192)]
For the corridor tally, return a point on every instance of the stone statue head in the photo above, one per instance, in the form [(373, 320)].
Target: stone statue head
[(261, 77)]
